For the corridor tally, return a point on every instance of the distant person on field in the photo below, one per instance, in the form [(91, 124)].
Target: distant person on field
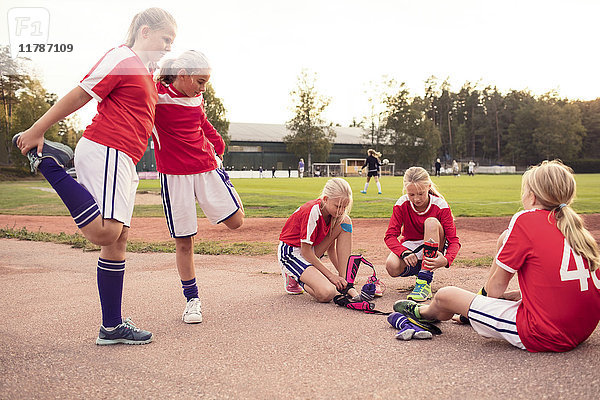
[(556, 260), (289, 171), (273, 171), (301, 168), (188, 153), (373, 165), (455, 169), (471, 168), (438, 167), (319, 226), (420, 216)]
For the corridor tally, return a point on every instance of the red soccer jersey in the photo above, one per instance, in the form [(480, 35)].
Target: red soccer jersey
[(561, 298), (407, 223), (305, 225), (185, 141), (126, 98)]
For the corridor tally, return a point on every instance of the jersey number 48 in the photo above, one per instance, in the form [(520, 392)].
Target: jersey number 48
[(581, 273)]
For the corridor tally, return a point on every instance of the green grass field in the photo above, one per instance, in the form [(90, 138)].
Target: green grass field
[(481, 195)]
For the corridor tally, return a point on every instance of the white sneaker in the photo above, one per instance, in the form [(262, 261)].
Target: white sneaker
[(193, 312)]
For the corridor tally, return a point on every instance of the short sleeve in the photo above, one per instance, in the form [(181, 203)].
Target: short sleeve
[(103, 78), (516, 248)]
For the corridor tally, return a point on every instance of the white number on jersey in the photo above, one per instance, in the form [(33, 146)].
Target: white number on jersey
[(580, 273)]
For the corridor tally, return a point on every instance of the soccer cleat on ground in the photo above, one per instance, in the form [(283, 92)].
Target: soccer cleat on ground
[(379, 285), (59, 152), (363, 191), (410, 309), (378, 192), (421, 292), (193, 312), (291, 285), (407, 330), (126, 333)]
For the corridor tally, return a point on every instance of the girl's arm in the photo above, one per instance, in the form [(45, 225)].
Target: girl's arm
[(34, 136), (309, 255), (394, 230), (211, 134), (447, 221), (498, 282)]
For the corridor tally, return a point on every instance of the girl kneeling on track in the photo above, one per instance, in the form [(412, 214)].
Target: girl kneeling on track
[(319, 226), (420, 215), (188, 156), (556, 260)]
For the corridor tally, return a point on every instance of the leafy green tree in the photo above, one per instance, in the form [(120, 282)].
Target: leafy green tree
[(411, 135), (311, 136), (12, 79), (216, 113), (373, 124), (590, 119)]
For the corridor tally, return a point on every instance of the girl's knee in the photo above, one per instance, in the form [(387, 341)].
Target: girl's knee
[(235, 221), (325, 294), (432, 222), (445, 294), (184, 245)]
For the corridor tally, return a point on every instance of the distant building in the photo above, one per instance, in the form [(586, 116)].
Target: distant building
[(253, 145)]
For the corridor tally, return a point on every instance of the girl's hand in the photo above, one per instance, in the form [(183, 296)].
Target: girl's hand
[(410, 258), (439, 261), (30, 139), (339, 282)]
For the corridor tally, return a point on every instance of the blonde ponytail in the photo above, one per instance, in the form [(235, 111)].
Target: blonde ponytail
[(554, 187), (338, 188)]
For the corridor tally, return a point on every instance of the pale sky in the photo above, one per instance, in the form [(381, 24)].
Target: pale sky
[(258, 48)]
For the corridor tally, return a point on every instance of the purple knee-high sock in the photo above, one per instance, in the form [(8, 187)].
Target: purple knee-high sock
[(79, 201), (110, 288)]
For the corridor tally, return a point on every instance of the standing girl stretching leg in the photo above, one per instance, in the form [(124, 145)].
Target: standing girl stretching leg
[(186, 149), (101, 201)]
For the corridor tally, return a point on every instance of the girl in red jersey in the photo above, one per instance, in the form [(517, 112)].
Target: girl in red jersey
[(101, 201), (420, 215), (556, 260), (319, 226), (186, 145)]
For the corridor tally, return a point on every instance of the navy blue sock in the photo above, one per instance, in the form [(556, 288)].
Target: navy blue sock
[(110, 288), (425, 275), (79, 201), (190, 290)]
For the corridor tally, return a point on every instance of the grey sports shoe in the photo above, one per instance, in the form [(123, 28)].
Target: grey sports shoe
[(59, 152), (126, 333), (193, 312)]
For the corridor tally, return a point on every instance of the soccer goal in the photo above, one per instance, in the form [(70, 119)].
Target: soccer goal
[(326, 169)]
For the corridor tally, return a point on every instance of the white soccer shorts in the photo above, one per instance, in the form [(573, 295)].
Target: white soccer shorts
[(495, 318), (110, 177), (213, 191)]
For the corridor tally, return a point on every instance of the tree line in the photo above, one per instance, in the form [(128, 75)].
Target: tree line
[(473, 123)]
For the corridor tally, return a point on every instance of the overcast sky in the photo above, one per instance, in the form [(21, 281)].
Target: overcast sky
[(258, 48)]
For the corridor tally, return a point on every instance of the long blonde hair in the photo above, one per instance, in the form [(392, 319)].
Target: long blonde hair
[(338, 188), (192, 61), (374, 153), (554, 187), (420, 178), (155, 18)]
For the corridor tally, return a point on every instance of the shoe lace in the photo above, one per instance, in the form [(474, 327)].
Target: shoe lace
[(128, 323), (377, 282), (419, 287), (195, 306)]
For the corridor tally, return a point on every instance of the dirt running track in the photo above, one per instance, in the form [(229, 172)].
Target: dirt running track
[(255, 341)]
